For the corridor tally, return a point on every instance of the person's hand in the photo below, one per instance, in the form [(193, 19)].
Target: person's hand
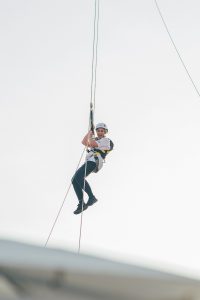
[(90, 133)]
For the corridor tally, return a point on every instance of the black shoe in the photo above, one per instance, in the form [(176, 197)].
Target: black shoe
[(91, 201), (81, 207)]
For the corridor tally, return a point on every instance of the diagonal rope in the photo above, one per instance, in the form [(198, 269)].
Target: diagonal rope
[(59, 211), (176, 49), (92, 95)]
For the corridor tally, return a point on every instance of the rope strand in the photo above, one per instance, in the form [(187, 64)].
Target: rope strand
[(176, 49), (93, 94), (59, 211), (96, 56), (92, 102)]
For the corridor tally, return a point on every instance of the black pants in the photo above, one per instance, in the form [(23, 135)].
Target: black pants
[(78, 180)]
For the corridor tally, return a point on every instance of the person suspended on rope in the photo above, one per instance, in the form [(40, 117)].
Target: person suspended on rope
[(97, 148)]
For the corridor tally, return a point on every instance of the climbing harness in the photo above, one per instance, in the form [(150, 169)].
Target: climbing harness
[(99, 155)]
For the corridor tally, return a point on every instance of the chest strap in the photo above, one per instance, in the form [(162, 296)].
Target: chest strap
[(96, 151)]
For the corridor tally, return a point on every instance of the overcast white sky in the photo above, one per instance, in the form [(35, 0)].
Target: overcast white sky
[(148, 191)]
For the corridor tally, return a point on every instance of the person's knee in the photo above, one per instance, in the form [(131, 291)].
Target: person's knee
[(78, 178), (73, 179)]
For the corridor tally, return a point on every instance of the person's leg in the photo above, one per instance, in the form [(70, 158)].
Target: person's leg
[(90, 166), (77, 189), (92, 199), (79, 184), (88, 189), (78, 180)]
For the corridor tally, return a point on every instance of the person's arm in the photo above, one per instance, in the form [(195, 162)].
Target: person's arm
[(88, 141)]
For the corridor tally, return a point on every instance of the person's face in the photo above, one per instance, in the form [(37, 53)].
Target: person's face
[(101, 132)]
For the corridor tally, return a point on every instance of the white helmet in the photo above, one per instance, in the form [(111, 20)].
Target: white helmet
[(102, 125)]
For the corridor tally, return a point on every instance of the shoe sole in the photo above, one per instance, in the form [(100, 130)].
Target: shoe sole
[(77, 213), (92, 203)]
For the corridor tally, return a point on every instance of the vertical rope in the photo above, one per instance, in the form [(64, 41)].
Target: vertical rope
[(81, 222), (92, 103), (96, 56), (92, 95)]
